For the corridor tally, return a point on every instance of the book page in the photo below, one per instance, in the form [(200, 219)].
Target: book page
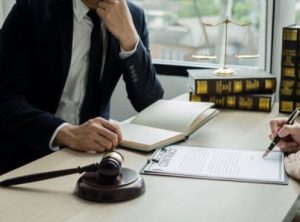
[(202, 119), (213, 163), (147, 138), (172, 115)]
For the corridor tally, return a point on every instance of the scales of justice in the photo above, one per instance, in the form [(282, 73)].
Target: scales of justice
[(224, 70)]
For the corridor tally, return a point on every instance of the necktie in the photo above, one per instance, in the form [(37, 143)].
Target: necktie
[(89, 107)]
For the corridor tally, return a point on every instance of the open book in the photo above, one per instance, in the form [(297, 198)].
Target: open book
[(165, 122)]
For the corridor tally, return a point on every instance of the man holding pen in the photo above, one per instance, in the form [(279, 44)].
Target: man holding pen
[(289, 143)]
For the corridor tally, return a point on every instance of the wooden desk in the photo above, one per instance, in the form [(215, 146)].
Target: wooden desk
[(166, 198)]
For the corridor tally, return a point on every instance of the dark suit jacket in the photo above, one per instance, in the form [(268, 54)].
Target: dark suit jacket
[(35, 54)]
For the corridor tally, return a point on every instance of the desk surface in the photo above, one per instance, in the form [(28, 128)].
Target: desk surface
[(166, 198)]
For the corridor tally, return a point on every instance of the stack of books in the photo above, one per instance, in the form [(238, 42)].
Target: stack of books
[(249, 89), (289, 92)]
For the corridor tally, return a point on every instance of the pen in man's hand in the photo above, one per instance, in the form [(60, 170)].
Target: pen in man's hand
[(291, 119)]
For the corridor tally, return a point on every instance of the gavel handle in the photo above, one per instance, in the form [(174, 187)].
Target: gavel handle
[(47, 175)]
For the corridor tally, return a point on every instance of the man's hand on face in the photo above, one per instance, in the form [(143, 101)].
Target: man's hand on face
[(117, 18)]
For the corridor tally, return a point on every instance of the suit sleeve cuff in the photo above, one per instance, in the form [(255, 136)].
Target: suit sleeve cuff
[(125, 54), (56, 147)]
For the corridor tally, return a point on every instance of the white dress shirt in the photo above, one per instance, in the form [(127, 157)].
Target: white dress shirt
[(74, 90)]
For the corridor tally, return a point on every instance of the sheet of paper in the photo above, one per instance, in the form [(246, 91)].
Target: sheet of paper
[(228, 164)]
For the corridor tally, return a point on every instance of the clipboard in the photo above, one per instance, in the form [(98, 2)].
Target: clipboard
[(217, 164)]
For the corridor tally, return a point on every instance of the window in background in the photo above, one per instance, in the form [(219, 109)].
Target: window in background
[(1, 13), (5, 7), (297, 12), (177, 31)]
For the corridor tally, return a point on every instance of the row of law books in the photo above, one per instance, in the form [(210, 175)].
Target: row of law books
[(248, 89), (289, 89)]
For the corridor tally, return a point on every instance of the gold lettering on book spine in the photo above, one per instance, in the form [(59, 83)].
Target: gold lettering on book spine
[(246, 103), (195, 98), (223, 87), (290, 34), (202, 87), (231, 101), (286, 106), (288, 72), (237, 86), (264, 104), (288, 56), (218, 87), (289, 52), (287, 87), (223, 101), (252, 85), (288, 61), (270, 84), (217, 100)]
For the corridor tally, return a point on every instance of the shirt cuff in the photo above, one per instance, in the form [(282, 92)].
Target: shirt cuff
[(56, 148), (125, 54)]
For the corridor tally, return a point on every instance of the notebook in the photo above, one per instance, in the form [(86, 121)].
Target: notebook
[(165, 122)]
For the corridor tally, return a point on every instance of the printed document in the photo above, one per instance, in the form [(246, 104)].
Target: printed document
[(217, 163)]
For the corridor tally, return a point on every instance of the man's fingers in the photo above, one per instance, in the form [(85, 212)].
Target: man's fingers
[(96, 134), (106, 135), (107, 4), (287, 147), (103, 144), (103, 5), (113, 127), (117, 130), (273, 126), (276, 124), (286, 130)]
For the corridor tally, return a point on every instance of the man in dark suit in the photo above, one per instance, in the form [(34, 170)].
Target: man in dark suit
[(48, 96)]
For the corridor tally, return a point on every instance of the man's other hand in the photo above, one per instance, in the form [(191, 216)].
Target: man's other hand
[(96, 134)]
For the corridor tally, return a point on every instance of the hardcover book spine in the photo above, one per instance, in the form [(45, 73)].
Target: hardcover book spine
[(297, 92), (289, 92), (234, 86), (250, 102)]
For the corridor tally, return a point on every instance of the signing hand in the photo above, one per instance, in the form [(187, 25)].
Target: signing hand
[(292, 165), (117, 18), (290, 134), (96, 134)]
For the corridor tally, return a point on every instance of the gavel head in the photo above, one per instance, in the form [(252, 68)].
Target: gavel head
[(111, 165), (107, 181)]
